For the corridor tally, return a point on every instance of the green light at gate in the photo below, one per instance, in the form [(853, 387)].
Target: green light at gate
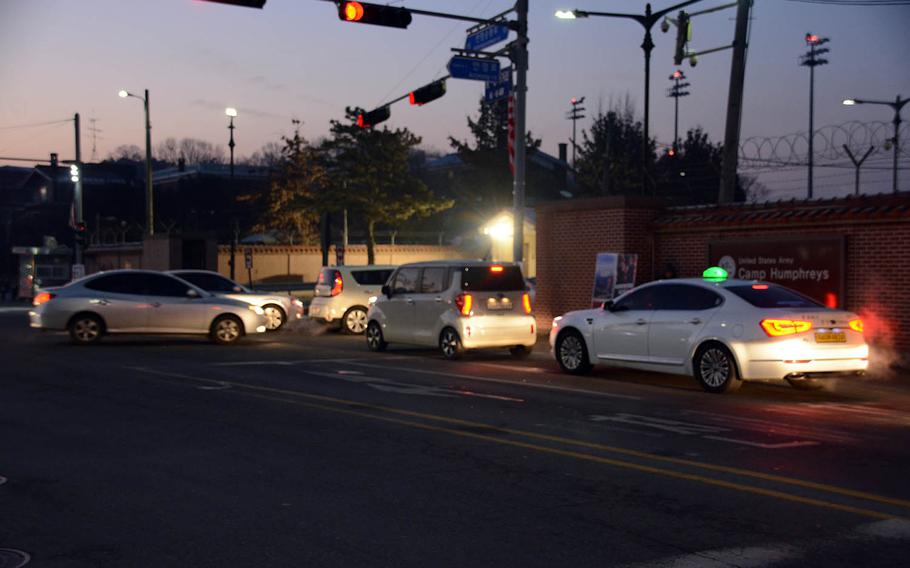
[(714, 274)]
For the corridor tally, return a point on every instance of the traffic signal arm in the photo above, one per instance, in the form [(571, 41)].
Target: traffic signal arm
[(376, 14), (245, 3)]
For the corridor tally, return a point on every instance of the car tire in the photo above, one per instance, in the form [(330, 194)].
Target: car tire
[(807, 384), (375, 339), (276, 315), (572, 353), (715, 370), (450, 344), (85, 329), (354, 321), (226, 330), (521, 351)]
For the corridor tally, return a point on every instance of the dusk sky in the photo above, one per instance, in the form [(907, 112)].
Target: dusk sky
[(295, 59)]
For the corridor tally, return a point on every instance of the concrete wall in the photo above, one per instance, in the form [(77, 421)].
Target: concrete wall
[(303, 262)]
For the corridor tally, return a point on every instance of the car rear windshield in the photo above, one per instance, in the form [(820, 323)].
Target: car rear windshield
[(492, 278), (773, 296), (376, 277)]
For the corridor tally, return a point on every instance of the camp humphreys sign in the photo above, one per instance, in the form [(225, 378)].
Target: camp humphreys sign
[(811, 265)]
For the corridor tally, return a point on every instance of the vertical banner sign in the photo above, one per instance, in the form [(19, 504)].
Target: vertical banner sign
[(614, 274), (511, 123), (339, 256), (814, 265)]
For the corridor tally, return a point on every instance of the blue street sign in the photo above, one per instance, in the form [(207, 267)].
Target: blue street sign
[(461, 67), (486, 36), (499, 89)]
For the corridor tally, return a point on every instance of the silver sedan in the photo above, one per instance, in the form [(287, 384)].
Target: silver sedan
[(142, 301)]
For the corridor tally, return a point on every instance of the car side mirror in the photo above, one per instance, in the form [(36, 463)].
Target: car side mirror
[(192, 294), (386, 291), (608, 306)]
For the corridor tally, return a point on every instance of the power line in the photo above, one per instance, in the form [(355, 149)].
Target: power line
[(36, 124)]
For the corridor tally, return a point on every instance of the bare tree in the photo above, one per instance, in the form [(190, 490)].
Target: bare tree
[(168, 151), (196, 151), (269, 156), (126, 153)]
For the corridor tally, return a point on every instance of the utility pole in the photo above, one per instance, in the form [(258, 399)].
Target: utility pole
[(812, 60), (520, 62), (149, 188), (574, 115), (857, 164), (77, 193), (232, 113), (735, 103), (675, 92)]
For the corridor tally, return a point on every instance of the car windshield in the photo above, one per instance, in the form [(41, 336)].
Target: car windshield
[(492, 278), (772, 296)]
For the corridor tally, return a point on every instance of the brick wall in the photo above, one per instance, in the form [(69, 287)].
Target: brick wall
[(876, 230)]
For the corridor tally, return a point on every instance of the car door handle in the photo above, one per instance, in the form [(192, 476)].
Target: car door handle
[(640, 321), (101, 302), (695, 321), (438, 299), (410, 300)]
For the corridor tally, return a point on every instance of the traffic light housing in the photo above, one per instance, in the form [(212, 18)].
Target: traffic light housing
[(683, 35), (374, 117), (245, 3), (376, 14), (428, 93)]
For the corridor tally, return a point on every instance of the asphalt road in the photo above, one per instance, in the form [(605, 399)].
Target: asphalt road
[(304, 449)]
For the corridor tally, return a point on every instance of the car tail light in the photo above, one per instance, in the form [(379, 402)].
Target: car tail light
[(496, 269), (779, 327), (856, 325), (526, 302), (464, 303), (42, 298), (337, 284)]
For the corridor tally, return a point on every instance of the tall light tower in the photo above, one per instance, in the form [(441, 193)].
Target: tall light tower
[(676, 91), (149, 196), (575, 115), (812, 60), (232, 113)]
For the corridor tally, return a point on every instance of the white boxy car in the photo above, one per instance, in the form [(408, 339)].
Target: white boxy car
[(142, 301), (454, 305), (720, 331), (342, 295)]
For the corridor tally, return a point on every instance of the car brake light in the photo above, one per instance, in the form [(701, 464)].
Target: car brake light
[(856, 325), (42, 298), (759, 286), (779, 327), (464, 303), (496, 269), (337, 284), (526, 302)]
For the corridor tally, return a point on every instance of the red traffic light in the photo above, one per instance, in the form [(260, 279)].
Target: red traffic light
[(374, 117), (671, 152), (376, 14), (428, 93)]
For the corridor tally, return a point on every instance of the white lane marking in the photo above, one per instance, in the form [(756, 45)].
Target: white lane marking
[(686, 428), (498, 381), (297, 361), (516, 368), (778, 446), (740, 557), (389, 385), (777, 427), (891, 528), (349, 372), (221, 386)]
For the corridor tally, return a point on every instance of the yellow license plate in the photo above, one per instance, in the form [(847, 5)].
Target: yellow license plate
[(831, 337)]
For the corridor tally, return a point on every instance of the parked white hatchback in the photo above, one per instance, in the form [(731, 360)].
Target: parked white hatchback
[(279, 309), (455, 305), (142, 301), (343, 295), (721, 331)]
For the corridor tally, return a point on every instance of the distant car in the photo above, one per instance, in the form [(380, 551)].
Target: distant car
[(278, 308), (454, 305), (343, 295), (723, 332), (142, 301)]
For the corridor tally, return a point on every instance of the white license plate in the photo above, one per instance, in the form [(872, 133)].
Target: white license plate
[(831, 337)]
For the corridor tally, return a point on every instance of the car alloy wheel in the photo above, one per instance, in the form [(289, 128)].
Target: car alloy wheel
[(572, 354), (375, 341), (355, 321), (227, 330), (715, 369), (275, 316), (86, 330), (450, 344)]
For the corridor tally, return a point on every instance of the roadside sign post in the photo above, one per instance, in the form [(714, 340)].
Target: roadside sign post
[(248, 260), (501, 89)]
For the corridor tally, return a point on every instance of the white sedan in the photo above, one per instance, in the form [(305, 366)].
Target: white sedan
[(721, 331)]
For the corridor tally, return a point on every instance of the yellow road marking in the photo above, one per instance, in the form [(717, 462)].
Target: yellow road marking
[(568, 453)]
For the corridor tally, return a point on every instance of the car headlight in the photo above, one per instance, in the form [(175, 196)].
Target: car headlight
[(298, 303), (257, 310), (371, 300)]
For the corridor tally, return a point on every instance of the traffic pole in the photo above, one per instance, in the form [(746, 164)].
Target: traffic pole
[(520, 61), (77, 192)]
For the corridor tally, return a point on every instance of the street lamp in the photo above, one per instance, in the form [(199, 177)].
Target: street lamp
[(647, 21), (149, 200), (897, 105), (232, 113)]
